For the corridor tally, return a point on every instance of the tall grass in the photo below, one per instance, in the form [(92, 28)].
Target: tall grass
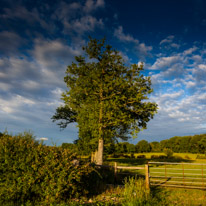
[(136, 194)]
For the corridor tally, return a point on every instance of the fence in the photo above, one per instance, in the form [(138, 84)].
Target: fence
[(166, 174), (116, 172), (182, 175)]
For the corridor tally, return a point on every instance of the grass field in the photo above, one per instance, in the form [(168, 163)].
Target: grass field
[(164, 195)]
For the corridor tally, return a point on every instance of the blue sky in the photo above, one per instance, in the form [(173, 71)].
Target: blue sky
[(38, 39)]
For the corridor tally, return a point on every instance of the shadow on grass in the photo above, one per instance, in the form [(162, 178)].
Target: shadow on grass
[(128, 161), (160, 195), (143, 161)]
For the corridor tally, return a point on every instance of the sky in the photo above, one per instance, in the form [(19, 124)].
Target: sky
[(39, 39)]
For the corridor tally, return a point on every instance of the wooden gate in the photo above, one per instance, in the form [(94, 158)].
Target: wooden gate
[(183, 175)]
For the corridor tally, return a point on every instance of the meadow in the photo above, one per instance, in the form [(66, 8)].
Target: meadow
[(164, 195)]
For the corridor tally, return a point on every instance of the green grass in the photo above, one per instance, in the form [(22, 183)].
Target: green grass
[(133, 194)]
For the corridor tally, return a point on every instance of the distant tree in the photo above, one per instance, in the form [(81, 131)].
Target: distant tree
[(143, 146), (131, 148), (202, 145), (194, 146), (168, 152), (121, 147), (182, 144), (106, 98), (164, 144), (155, 146)]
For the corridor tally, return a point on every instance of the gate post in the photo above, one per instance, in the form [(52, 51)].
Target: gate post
[(147, 176)]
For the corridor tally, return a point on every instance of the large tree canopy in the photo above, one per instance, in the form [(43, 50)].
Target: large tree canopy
[(105, 97)]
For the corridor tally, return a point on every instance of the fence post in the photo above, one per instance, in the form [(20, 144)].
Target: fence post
[(147, 176), (115, 172), (115, 169)]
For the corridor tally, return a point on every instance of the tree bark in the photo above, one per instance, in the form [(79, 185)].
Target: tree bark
[(99, 159)]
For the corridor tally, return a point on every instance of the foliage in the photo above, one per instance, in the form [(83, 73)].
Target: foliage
[(185, 144), (107, 99), (32, 172), (201, 157), (168, 152), (143, 146), (155, 146), (141, 156), (136, 194)]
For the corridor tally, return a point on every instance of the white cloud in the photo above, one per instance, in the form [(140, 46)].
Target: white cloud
[(124, 37), (202, 66), (141, 48), (77, 18), (5, 86), (174, 45), (168, 43), (15, 103), (190, 84), (144, 49), (29, 16), (53, 56), (9, 40), (189, 51), (91, 5), (124, 56), (196, 58), (169, 39), (84, 24), (165, 62), (42, 138)]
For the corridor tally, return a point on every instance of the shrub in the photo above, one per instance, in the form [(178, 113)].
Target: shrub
[(154, 156), (126, 156), (141, 157), (187, 157), (132, 155), (33, 172), (201, 157), (162, 157), (177, 157), (168, 152)]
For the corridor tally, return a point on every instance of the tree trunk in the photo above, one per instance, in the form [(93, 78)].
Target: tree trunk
[(99, 159)]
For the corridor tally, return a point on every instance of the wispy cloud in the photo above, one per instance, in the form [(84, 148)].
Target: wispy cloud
[(141, 49)]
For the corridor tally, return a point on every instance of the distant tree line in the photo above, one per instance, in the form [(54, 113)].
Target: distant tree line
[(185, 144)]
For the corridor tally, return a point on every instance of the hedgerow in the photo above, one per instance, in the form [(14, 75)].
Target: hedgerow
[(35, 173)]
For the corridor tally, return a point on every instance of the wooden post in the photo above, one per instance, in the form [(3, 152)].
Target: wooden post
[(115, 172), (147, 176), (99, 156)]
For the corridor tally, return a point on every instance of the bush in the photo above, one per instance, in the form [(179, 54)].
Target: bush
[(201, 157), (154, 156), (126, 156), (162, 157), (141, 157), (177, 157), (168, 152), (33, 172), (132, 156), (187, 157)]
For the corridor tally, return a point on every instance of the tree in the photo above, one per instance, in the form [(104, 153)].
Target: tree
[(106, 98), (143, 146), (155, 146)]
